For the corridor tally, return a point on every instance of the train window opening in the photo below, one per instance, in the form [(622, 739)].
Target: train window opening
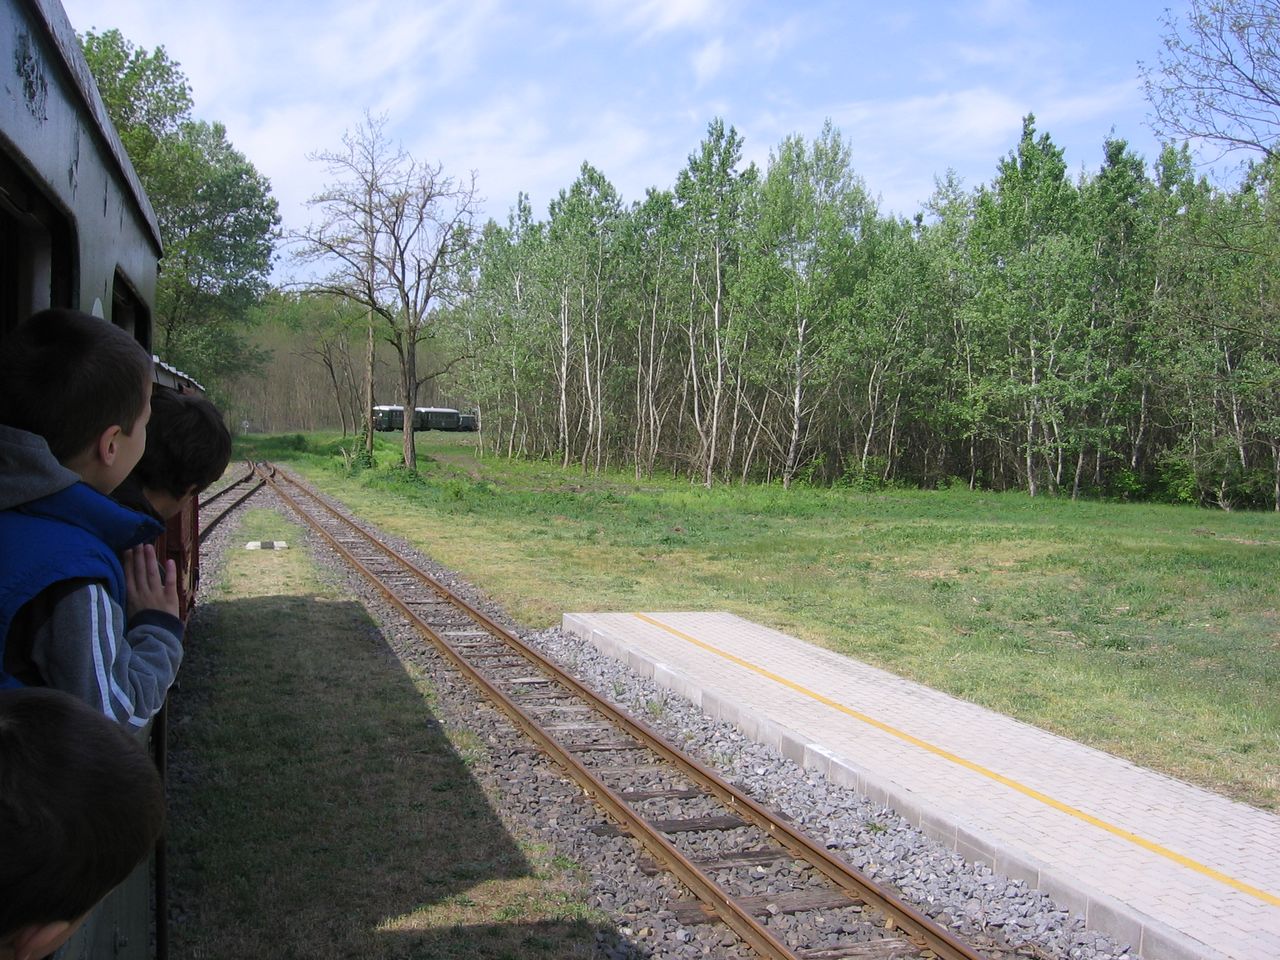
[(37, 250), (129, 311)]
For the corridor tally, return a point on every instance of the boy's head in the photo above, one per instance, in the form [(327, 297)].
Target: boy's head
[(188, 447), (81, 805), (84, 386)]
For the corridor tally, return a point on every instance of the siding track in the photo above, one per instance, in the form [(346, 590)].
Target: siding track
[(247, 485)]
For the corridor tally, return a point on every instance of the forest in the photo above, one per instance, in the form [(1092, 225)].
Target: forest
[(1110, 332)]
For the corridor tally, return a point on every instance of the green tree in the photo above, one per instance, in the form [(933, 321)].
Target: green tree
[(146, 94), (814, 214), (218, 220), (1108, 354), (712, 197), (508, 358), (650, 255), (1030, 295), (582, 237)]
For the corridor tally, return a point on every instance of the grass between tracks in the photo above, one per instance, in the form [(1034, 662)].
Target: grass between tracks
[(1149, 631), (319, 808)]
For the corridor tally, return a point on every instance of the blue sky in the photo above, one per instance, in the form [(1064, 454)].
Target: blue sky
[(523, 92)]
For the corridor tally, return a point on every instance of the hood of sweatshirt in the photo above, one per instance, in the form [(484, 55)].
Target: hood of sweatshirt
[(28, 471)]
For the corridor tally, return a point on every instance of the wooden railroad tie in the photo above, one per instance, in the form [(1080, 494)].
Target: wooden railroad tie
[(690, 912), (740, 858), (725, 822)]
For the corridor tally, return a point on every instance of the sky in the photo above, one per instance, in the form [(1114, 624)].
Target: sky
[(522, 92)]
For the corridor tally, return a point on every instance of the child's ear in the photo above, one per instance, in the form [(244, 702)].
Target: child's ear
[(106, 447)]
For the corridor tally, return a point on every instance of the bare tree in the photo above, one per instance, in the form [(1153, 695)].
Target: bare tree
[(1218, 78), (394, 231)]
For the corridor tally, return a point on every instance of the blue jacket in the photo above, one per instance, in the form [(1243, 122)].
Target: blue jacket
[(55, 528), (74, 534)]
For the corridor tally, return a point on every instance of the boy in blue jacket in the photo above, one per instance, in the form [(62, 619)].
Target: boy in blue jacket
[(74, 402)]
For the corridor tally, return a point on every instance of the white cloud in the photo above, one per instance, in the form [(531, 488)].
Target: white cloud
[(524, 93), (1001, 12), (898, 145), (709, 61), (771, 41), (1090, 105), (660, 16), (650, 18)]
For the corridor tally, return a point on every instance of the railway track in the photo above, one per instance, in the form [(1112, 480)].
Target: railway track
[(630, 772), (247, 486)]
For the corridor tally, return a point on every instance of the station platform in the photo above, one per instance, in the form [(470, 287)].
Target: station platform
[(1175, 871)]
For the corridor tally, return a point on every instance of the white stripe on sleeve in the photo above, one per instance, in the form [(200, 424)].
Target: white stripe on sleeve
[(97, 598)]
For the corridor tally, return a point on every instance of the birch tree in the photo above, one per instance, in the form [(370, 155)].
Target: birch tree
[(813, 214), (711, 193)]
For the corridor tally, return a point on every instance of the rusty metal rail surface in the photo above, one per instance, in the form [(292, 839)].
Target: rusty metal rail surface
[(207, 524), (922, 932)]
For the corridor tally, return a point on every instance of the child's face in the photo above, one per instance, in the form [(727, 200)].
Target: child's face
[(129, 447)]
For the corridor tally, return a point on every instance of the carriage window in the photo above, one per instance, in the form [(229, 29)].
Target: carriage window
[(37, 249), (129, 311)]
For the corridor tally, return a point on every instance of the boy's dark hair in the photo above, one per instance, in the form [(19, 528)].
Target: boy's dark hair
[(81, 805), (188, 445), (68, 376)]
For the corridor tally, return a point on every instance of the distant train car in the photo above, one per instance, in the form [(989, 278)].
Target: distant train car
[(388, 417), (468, 422), (435, 418)]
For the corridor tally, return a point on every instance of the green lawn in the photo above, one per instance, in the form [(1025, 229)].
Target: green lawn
[(1149, 631)]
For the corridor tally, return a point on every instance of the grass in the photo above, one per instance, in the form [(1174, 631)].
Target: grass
[(1149, 631), (319, 807)]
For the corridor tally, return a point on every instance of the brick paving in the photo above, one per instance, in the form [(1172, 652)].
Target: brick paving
[(1172, 869)]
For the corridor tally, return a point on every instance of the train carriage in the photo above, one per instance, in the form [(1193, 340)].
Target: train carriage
[(77, 231), (435, 418), (76, 228), (388, 417)]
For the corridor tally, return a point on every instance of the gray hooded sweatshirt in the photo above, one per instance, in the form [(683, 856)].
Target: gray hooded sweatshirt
[(73, 636)]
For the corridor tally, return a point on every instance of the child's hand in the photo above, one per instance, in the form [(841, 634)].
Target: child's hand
[(144, 590)]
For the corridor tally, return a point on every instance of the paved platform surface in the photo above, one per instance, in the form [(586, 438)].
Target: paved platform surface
[(1173, 870)]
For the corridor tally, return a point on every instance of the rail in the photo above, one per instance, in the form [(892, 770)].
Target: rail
[(207, 525), (733, 910)]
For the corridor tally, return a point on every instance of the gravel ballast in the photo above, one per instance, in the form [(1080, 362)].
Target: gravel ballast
[(538, 802)]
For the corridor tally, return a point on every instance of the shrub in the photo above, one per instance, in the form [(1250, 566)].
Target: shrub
[(1127, 484), (1177, 479), (866, 479)]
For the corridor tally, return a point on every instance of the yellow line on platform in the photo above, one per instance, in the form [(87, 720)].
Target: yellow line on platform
[(977, 768)]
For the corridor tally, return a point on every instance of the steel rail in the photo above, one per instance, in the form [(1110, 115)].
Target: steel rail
[(230, 486), (914, 924), (657, 845), (207, 528)]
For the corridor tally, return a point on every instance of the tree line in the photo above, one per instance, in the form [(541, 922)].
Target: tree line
[(1107, 334), (1110, 334)]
